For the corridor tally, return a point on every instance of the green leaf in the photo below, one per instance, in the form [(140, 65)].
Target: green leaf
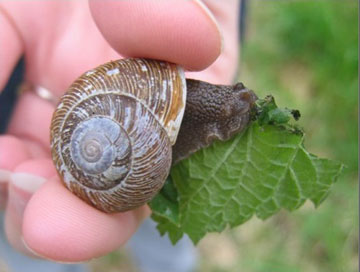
[(165, 211), (258, 172)]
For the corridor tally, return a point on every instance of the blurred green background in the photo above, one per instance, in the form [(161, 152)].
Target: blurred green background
[(305, 53)]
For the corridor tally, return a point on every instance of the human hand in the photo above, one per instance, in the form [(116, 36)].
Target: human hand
[(60, 41)]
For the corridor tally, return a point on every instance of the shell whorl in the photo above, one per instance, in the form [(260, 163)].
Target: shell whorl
[(112, 132)]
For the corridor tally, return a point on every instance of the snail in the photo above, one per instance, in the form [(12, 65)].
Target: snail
[(120, 127)]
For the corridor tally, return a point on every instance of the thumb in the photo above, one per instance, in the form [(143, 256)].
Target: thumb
[(24, 181)]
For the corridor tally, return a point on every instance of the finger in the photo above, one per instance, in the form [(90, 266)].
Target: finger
[(178, 31), (224, 69), (59, 226), (13, 152), (24, 181), (11, 49), (31, 122)]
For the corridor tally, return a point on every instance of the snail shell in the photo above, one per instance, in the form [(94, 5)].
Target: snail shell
[(112, 132)]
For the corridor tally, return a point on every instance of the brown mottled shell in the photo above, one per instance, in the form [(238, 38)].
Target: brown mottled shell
[(112, 132)]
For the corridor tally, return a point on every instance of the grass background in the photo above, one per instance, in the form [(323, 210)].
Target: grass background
[(305, 53)]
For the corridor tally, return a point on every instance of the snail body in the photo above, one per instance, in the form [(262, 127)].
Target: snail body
[(114, 132)]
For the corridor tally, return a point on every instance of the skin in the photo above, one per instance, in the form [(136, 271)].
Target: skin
[(61, 40)]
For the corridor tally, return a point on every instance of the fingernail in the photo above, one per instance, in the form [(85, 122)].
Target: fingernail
[(27, 182), (20, 190), (4, 175), (30, 250), (4, 179), (213, 19), (38, 255), (22, 187)]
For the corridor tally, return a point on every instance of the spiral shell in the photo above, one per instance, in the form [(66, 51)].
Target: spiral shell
[(112, 132)]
